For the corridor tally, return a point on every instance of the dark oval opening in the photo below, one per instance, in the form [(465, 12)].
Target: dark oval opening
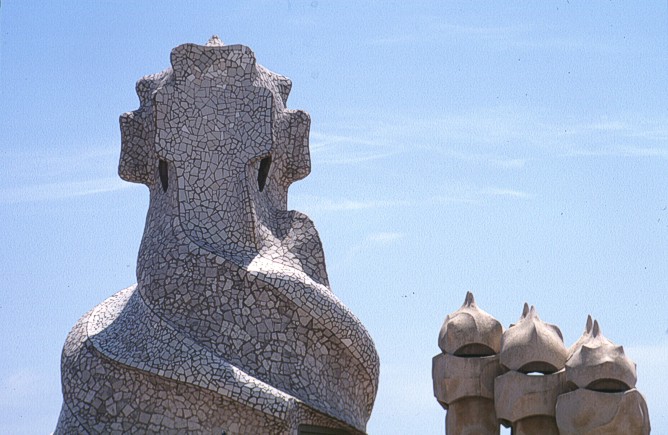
[(474, 350), (164, 175), (538, 368), (608, 386), (263, 172)]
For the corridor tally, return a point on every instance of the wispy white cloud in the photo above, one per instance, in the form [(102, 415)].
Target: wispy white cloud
[(317, 203), (507, 163), (356, 158), (612, 126), (376, 141), (373, 241), (631, 127), (434, 29), (60, 190), (658, 133), (511, 136), (495, 191), (620, 151), (501, 127), (489, 137), (498, 161), (319, 140), (455, 199), (501, 137), (384, 237), (563, 43), (454, 194), (51, 163), (50, 175), (393, 40), (475, 195), (482, 31), (631, 136)]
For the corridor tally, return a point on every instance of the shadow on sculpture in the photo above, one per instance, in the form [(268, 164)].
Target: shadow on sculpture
[(232, 326)]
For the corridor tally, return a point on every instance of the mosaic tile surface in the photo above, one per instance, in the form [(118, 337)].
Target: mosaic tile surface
[(232, 327)]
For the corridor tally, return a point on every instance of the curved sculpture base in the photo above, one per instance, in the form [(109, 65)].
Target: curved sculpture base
[(601, 413), (159, 389), (472, 416)]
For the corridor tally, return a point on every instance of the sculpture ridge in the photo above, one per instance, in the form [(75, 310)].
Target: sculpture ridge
[(470, 331), (533, 345), (599, 364), (585, 335), (214, 41)]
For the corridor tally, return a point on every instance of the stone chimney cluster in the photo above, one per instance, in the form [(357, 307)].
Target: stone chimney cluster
[(525, 378)]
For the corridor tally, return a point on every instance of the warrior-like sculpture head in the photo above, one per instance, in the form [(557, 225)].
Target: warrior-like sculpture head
[(223, 265), (213, 139)]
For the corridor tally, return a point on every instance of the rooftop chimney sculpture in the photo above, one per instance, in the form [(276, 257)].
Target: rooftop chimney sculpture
[(232, 327), (526, 379)]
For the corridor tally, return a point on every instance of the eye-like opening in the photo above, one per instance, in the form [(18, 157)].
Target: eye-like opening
[(164, 175), (538, 368), (474, 350), (608, 386), (263, 172)]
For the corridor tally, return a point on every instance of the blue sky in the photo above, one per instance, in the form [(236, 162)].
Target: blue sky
[(515, 149)]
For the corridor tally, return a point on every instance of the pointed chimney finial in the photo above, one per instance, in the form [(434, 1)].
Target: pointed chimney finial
[(215, 41)]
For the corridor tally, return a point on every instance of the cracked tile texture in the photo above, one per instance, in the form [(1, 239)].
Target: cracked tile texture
[(232, 327)]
